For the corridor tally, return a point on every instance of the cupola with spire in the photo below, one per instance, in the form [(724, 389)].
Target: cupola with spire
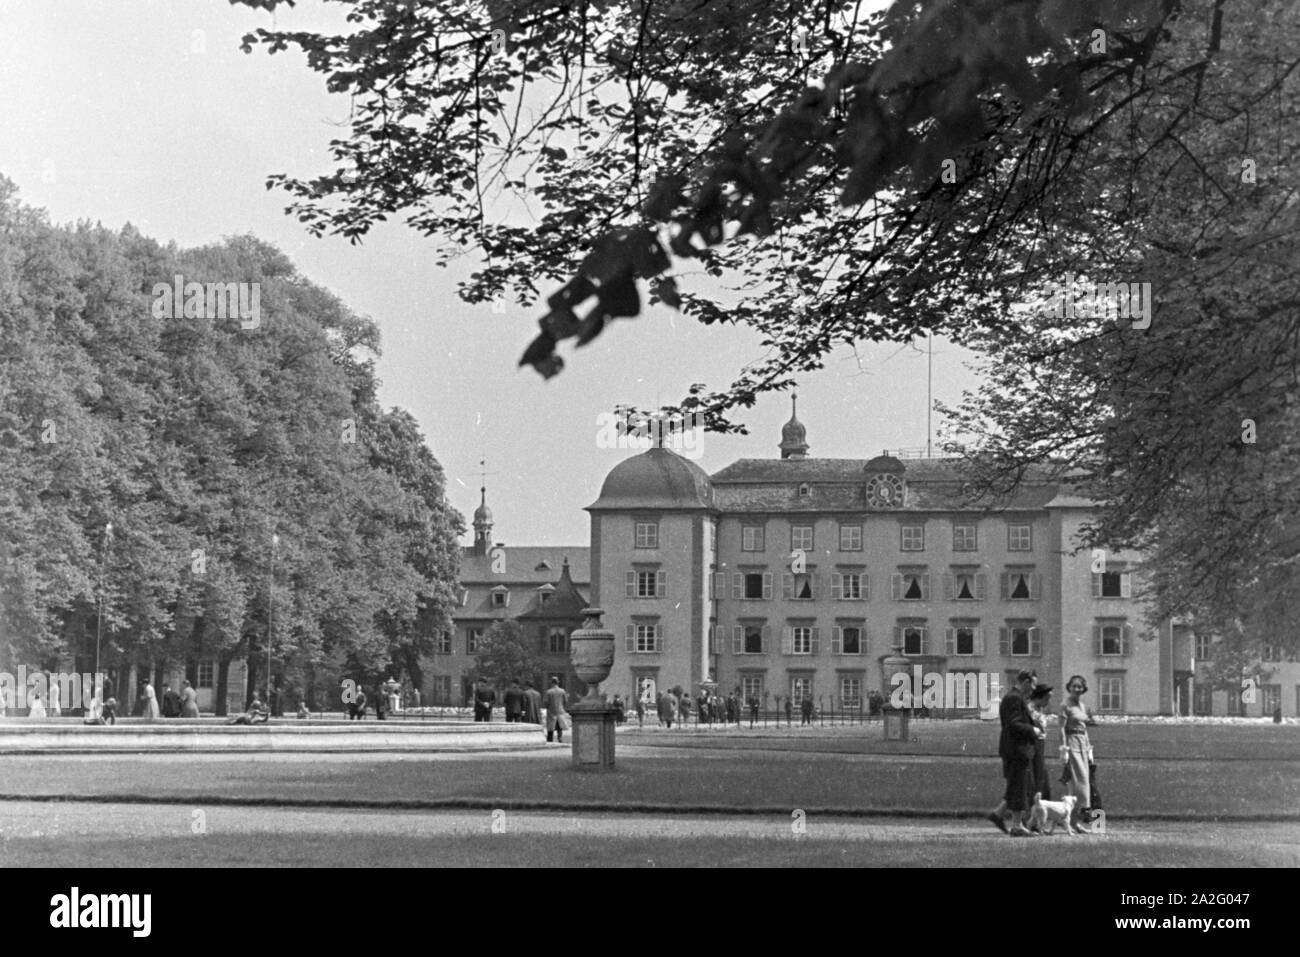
[(482, 524), (794, 437)]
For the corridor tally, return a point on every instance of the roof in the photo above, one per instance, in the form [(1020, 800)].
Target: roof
[(657, 478), (566, 600), (522, 565), (772, 485)]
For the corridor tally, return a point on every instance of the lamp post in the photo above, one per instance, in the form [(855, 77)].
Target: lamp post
[(99, 624), (270, 610)]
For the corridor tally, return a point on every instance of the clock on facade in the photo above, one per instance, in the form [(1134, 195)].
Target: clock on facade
[(885, 491)]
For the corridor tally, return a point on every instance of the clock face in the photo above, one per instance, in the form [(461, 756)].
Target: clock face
[(885, 491)]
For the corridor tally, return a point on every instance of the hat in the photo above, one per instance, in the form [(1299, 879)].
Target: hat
[(1041, 691), (1024, 676)]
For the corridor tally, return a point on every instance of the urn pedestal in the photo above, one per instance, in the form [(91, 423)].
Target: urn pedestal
[(896, 719), (591, 649)]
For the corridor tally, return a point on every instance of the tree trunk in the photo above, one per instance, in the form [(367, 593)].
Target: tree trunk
[(250, 669), (223, 684)]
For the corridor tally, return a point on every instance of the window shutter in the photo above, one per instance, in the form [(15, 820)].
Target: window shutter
[(1126, 637), (1004, 585), (787, 585), (1096, 585), (862, 583), (979, 642), (1035, 645), (631, 584), (896, 587), (787, 641), (837, 642), (949, 587), (658, 637), (1004, 642), (767, 586), (1126, 585), (816, 641), (979, 586), (765, 639), (925, 586), (1035, 585), (661, 584), (1096, 640), (720, 585), (898, 635), (737, 639), (837, 586), (815, 586), (950, 641), (925, 639), (862, 638), (737, 586), (631, 638)]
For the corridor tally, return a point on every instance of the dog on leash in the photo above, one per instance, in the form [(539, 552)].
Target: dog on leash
[(1045, 815)]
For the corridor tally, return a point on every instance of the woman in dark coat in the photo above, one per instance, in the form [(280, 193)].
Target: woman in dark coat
[(1039, 704)]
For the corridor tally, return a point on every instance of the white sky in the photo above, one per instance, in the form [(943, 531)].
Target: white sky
[(146, 111)]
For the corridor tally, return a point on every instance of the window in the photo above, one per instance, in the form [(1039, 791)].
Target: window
[(798, 587), (748, 639), (913, 538), (754, 585), (751, 538), (1112, 585), (750, 585), (544, 597), (849, 586), (500, 597), (1020, 586), (643, 638), (444, 644), (963, 538), (646, 689), (1271, 652), (851, 693), (557, 641), (801, 688), (442, 690), (647, 534), (801, 536), (1202, 698), (1111, 638), (1270, 697), (805, 491), (1111, 692), (647, 584), (1019, 640), (1204, 647), (964, 639), (802, 640), (850, 538), (913, 639), (1020, 538), (206, 674), (751, 686), (847, 640), (963, 586), (472, 637), (910, 586)]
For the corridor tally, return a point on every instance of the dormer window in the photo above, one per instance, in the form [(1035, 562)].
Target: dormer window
[(805, 490), (543, 566), (544, 593), (500, 596)]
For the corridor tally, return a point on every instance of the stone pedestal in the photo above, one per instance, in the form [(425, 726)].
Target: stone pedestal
[(896, 721), (593, 736)]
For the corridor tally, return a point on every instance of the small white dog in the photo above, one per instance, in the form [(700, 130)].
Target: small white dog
[(1047, 814)]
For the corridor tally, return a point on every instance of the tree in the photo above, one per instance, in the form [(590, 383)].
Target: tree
[(504, 656)]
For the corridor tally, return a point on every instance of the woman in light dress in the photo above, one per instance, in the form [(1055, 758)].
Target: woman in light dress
[(189, 701), (1076, 750), (151, 710), (36, 711)]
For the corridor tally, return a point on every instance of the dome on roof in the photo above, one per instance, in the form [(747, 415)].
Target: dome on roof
[(483, 514), (657, 478), (885, 463), (794, 434)]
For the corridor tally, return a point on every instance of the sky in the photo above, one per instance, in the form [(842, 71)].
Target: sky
[(147, 112)]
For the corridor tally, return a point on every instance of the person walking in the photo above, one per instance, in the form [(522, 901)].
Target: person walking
[(640, 711), (667, 709), (1016, 748), (381, 703), (805, 710), (683, 709), (55, 710), (1076, 751), (557, 717), (753, 709), (485, 697), (532, 704), (189, 700), (151, 712), (171, 703), (1040, 703), (36, 710), (789, 713), (514, 702), (620, 710)]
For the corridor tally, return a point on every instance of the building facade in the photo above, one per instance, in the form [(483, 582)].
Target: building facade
[(795, 577)]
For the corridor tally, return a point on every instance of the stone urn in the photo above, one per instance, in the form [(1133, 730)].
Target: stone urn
[(591, 649)]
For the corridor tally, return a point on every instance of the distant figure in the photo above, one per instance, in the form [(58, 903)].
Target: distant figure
[(55, 710), (484, 698), (358, 707), (640, 712), (189, 701), (257, 713), (667, 709), (683, 709), (94, 713), (532, 704), (4, 700), (110, 710), (381, 702), (302, 709), (557, 717), (620, 710), (805, 710), (753, 709), (415, 697), (514, 702), (150, 712), (36, 710), (171, 703), (1277, 713)]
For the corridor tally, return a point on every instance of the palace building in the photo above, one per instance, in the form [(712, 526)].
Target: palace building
[(794, 577)]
